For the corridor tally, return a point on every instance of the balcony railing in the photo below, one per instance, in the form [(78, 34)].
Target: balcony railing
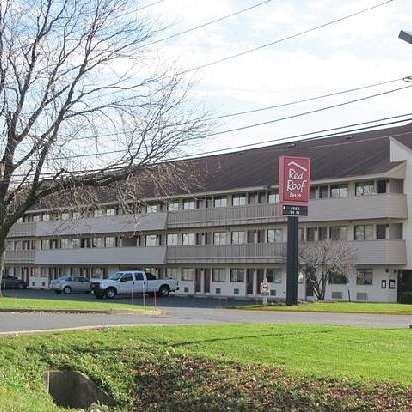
[(247, 253), (19, 256), (137, 256), (92, 225)]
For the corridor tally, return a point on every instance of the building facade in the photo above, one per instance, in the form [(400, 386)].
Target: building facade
[(226, 236)]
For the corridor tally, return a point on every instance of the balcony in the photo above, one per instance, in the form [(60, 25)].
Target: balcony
[(19, 256), (250, 214), (248, 253), (391, 205), (93, 225), (106, 256), (380, 252)]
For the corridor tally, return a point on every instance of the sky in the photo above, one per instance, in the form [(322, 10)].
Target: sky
[(359, 51)]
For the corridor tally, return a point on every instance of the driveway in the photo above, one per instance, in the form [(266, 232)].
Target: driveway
[(181, 311)]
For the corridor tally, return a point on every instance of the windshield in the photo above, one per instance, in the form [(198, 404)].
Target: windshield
[(116, 276)]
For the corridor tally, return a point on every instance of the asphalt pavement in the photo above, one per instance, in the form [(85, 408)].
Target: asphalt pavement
[(181, 311)]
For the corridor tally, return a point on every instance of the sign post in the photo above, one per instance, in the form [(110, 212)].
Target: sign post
[(294, 192)]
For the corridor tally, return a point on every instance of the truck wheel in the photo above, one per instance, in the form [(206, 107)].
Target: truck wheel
[(67, 290), (110, 293), (164, 291)]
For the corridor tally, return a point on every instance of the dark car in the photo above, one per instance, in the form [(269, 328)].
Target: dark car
[(11, 282)]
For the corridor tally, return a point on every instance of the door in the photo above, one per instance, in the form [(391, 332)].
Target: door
[(198, 280), (126, 284), (206, 280), (259, 280), (249, 281)]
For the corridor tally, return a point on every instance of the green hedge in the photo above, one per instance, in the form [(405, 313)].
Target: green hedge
[(406, 297)]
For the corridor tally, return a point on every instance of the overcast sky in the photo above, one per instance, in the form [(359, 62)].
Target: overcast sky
[(359, 51)]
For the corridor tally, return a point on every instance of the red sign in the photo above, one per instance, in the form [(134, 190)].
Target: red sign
[(294, 180)]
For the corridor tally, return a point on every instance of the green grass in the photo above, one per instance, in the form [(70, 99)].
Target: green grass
[(241, 367), (20, 304), (337, 307)]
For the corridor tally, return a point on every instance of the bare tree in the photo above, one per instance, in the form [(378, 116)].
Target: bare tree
[(321, 261), (81, 102)]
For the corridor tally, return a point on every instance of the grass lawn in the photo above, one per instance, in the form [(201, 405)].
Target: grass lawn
[(212, 368), (337, 307), (10, 304)]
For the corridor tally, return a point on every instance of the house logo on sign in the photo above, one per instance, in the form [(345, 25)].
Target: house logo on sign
[(293, 163)]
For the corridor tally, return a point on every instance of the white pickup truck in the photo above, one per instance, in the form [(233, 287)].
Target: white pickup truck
[(132, 282)]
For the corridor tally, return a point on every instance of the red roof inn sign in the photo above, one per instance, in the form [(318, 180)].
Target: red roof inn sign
[(294, 185)]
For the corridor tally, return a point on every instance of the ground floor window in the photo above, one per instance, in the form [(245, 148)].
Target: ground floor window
[(237, 275), (218, 275), (274, 275), (188, 275), (364, 277)]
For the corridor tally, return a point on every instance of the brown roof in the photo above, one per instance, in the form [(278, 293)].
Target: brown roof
[(332, 158)]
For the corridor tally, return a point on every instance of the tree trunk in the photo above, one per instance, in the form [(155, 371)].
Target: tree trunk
[(2, 253)]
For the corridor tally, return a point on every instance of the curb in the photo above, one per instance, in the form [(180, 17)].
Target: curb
[(78, 311)]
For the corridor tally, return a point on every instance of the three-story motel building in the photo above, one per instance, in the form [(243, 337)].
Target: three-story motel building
[(227, 235)]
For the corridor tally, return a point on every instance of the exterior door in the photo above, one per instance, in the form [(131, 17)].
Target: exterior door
[(198, 280), (249, 281), (206, 280)]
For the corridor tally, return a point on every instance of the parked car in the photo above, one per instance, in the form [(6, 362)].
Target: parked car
[(12, 282), (70, 284), (133, 281)]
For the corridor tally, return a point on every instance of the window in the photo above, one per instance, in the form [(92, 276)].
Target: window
[(220, 238), (338, 191), (173, 206), (172, 239), (239, 200), (98, 213), (75, 243), (337, 295), (365, 188), (128, 277), (151, 240), (274, 275), (172, 273), (220, 202), (110, 241), (85, 243), (339, 233), (338, 279), (36, 218), (239, 238), (45, 244), (313, 191), (189, 239), (65, 216), (380, 232), (153, 208), (323, 192), (98, 242), (273, 197), (311, 234), (189, 204), (218, 275), (274, 235), (237, 275), (323, 233), (381, 186), (188, 275), (363, 232), (111, 211), (364, 277)]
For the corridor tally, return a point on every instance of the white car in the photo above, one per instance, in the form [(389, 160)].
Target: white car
[(132, 282)]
